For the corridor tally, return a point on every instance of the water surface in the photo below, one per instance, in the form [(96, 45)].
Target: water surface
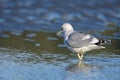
[(30, 49)]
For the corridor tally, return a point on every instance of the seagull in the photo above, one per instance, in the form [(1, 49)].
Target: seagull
[(79, 42)]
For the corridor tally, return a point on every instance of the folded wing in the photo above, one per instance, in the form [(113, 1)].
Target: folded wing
[(77, 40)]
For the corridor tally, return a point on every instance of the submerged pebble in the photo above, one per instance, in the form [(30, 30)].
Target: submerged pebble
[(61, 45), (16, 33), (37, 44), (4, 36), (52, 38), (31, 35), (29, 40)]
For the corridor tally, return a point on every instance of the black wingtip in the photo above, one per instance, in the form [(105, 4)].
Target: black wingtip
[(101, 42)]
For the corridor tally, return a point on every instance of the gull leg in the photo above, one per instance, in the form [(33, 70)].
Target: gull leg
[(80, 55)]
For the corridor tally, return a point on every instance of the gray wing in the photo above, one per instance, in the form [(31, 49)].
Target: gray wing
[(77, 40)]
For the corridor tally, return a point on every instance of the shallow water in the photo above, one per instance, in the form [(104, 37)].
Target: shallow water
[(30, 49), (40, 55)]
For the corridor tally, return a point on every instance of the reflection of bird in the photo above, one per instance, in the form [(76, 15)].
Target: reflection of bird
[(79, 42), (81, 67)]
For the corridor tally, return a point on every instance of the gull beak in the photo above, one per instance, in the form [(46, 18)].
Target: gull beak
[(58, 33)]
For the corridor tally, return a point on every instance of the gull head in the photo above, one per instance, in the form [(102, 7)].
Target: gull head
[(66, 27)]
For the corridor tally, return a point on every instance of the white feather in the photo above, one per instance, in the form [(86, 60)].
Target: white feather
[(94, 40), (86, 37)]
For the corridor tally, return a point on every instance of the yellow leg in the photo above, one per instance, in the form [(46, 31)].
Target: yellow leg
[(80, 55)]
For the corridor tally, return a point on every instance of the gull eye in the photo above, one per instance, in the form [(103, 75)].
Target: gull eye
[(62, 29)]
